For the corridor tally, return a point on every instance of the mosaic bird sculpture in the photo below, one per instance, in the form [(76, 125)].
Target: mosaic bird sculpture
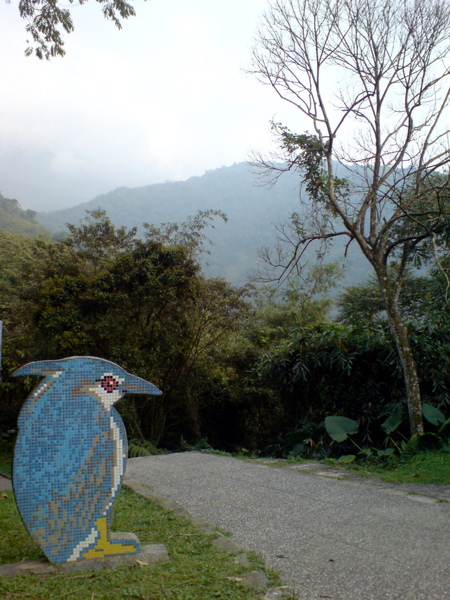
[(70, 456)]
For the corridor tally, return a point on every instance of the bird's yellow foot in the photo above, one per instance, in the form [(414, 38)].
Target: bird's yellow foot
[(104, 547)]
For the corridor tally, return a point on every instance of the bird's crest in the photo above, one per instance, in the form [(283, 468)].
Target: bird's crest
[(87, 368)]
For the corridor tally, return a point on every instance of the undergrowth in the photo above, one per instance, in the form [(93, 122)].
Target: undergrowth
[(424, 467)]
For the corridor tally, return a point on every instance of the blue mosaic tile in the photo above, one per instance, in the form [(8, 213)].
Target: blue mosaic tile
[(70, 456)]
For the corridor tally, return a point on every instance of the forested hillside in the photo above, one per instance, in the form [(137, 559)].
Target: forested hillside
[(252, 210), (259, 370), (15, 220)]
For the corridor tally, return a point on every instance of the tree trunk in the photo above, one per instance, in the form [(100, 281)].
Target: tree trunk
[(407, 360)]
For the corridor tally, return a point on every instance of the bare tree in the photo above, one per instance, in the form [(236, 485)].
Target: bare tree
[(370, 77)]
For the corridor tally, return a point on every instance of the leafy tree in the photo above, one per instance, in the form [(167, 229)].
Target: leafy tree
[(188, 234), (374, 166), (16, 255), (47, 20), (304, 301), (424, 305), (327, 368), (140, 303), (250, 412), (363, 306), (98, 238), (15, 252)]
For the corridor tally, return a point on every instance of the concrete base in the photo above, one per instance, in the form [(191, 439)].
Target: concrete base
[(150, 555)]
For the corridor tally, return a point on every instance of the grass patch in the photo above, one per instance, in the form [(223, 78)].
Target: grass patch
[(425, 467), (6, 462), (197, 570)]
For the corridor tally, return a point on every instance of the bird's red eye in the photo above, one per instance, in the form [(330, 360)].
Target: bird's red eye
[(109, 383)]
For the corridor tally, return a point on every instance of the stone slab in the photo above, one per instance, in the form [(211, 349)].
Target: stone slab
[(227, 544), (255, 579), (150, 555), (5, 483)]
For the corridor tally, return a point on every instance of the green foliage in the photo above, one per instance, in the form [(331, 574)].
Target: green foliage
[(421, 443), (188, 234), (433, 414), (142, 304), (424, 304), (423, 467), (47, 21), (279, 311), (329, 369), (15, 250), (17, 221), (308, 152), (200, 446), (394, 420), (339, 428), (420, 297), (444, 431), (98, 239), (138, 448), (250, 414), (429, 466), (437, 418), (5, 456), (245, 369)]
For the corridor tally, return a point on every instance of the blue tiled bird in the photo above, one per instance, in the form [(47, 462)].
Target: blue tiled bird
[(70, 456)]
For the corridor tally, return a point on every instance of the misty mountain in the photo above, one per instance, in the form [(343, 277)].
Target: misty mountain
[(252, 210)]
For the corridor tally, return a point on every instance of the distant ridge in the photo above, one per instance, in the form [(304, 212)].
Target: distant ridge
[(252, 211)]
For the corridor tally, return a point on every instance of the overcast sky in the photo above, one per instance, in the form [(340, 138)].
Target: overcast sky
[(165, 98)]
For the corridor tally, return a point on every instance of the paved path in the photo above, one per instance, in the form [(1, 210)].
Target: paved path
[(343, 539), (5, 483)]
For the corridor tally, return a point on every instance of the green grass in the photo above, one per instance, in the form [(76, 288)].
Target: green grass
[(197, 570), (5, 462), (425, 467)]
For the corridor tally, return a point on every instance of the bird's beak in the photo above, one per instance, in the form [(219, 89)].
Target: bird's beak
[(137, 385)]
